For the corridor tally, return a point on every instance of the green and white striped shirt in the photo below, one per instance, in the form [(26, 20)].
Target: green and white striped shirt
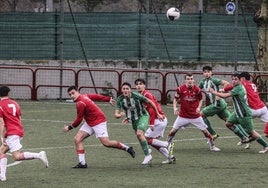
[(240, 102), (132, 106)]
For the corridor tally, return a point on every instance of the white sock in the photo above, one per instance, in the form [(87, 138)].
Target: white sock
[(3, 166), (159, 143), (81, 158), (30, 155), (164, 151), (125, 147)]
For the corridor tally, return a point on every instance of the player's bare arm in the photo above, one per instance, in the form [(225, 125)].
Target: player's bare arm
[(198, 109), (175, 108), (159, 116), (2, 131), (224, 83), (222, 95)]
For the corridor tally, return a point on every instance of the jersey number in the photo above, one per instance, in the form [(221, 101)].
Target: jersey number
[(13, 107), (254, 88)]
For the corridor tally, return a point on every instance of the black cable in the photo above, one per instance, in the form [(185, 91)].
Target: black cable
[(81, 45), (164, 41)]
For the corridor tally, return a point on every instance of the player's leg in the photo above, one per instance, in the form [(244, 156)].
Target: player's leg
[(178, 124), (117, 145), (265, 131), (157, 132), (3, 162), (231, 123), (200, 124), (247, 124), (140, 127), (84, 132), (264, 117), (212, 110), (14, 145), (102, 134)]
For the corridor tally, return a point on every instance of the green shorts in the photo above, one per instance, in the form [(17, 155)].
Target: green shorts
[(245, 122), (221, 110), (141, 123)]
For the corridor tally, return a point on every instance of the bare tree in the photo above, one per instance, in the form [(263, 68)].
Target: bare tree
[(261, 18), (8, 5)]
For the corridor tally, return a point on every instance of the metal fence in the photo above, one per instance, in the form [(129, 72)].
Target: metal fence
[(127, 36), (45, 83)]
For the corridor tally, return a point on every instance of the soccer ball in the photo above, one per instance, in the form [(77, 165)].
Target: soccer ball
[(173, 14)]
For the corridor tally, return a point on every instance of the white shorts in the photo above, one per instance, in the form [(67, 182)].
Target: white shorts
[(159, 129), (261, 113), (181, 122), (13, 143), (100, 130)]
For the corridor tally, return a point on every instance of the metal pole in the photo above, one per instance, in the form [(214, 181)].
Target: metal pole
[(147, 37), (201, 8), (61, 44), (236, 35)]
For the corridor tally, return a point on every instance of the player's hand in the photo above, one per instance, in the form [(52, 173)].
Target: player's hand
[(160, 117), (3, 140), (198, 110), (175, 111), (151, 127), (65, 128), (221, 90), (211, 90), (125, 121), (112, 101), (217, 98)]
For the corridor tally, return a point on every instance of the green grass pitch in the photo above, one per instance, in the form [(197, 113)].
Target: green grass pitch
[(196, 166)]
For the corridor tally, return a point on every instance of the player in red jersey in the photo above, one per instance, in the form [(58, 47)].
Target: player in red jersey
[(156, 127), (190, 97), (257, 106), (11, 132), (95, 123)]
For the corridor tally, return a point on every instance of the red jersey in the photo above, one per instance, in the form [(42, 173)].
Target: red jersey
[(189, 100), (150, 109), (253, 97), (11, 113), (254, 100), (88, 110)]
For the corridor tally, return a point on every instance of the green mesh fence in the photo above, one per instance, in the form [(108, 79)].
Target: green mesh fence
[(35, 36)]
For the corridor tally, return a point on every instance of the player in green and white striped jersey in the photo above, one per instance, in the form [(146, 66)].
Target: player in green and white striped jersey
[(217, 106), (132, 104), (242, 114)]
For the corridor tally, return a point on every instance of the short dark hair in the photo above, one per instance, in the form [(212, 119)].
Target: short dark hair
[(140, 80), (127, 84), (236, 74), (4, 90), (188, 74), (246, 75), (71, 88), (209, 68)]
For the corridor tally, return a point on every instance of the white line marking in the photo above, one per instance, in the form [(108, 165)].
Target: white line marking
[(14, 163)]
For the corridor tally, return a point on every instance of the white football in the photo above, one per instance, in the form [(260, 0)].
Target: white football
[(173, 14)]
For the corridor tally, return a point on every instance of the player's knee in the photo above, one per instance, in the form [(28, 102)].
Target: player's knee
[(77, 139), (229, 125), (16, 156)]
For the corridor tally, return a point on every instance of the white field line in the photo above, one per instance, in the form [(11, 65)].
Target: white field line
[(14, 163)]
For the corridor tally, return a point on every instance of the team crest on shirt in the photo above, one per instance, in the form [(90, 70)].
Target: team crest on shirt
[(189, 98)]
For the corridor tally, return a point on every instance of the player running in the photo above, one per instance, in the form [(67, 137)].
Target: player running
[(217, 106), (133, 111), (242, 114), (95, 123), (11, 132), (257, 106), (156, 127)]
